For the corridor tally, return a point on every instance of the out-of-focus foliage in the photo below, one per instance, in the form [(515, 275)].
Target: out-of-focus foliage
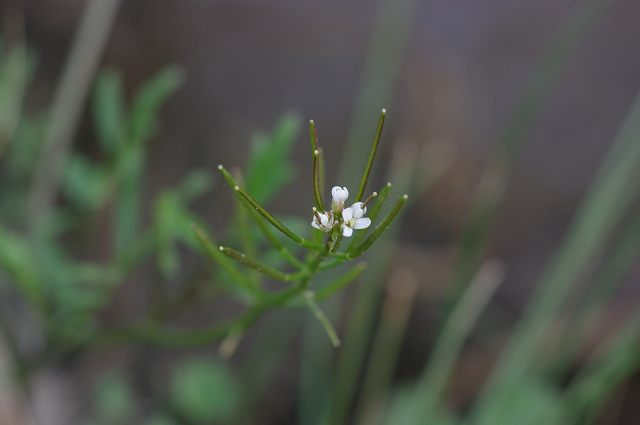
[(58, 293), (205, 391), (269, 167)]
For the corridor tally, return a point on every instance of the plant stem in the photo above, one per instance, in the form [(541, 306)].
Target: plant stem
[(322, 318), (315, 157), (256, 265), (264, 213), (67, 106), (372, 156), (338, 284)]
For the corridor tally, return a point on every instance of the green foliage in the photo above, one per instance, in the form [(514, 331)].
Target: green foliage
[(16, 264), (145, 107), (282, 264), (205, 391), (86, 184), (109, 111), (114, 400), (269, 167)]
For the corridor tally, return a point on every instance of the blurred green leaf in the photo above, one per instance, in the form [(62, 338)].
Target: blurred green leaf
[(131, 158), (196, 184), (114, 400), (173, 219), (269, 167), (109, 110), (25, 147), (205, 391), (534, 403), (16, 69), (161, 420), (16, 260), (150, 98), (85, 184)]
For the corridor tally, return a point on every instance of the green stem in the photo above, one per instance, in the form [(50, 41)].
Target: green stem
[(245, 284), (315, 156), (380, 229), (322, 318), (372, 156), (256, 265), (372, 213), (264, 213), (338, 284)]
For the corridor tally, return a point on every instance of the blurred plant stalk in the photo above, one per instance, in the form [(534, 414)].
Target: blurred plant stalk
[(77, 77)]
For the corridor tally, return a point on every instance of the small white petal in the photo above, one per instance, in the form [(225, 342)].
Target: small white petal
[(347, 214), (362, 223), (358, 211), (339, 194), (347, 231)]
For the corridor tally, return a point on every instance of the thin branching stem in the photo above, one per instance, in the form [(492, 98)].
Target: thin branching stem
[(244, 283), (374, 210), (310, 301), (380, 229), (254, 264), (338, 284), (270, 218)]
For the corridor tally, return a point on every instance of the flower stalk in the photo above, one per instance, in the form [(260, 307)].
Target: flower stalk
[(332, 227)]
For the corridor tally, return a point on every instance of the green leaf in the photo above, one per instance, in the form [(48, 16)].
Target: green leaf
[(84, 183), (114, 400), (109, 110), (15, 73), (150, 98), (269, 167), (205, 391), (16, 262)]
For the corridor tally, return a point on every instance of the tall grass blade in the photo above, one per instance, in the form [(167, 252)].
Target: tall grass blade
[(611, 193)]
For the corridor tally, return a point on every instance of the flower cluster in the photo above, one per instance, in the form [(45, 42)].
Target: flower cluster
[(348, 219)]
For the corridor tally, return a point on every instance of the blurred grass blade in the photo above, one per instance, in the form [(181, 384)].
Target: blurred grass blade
[(611, 364), (372, 156), (607, 200), (623, 257), (434, 377), (528, 107), (354, 352), (66, 110), (396, 311), (338, 284), (254, 264)]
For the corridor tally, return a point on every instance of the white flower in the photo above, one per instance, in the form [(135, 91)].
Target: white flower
[(322, 221), (339, 195), (353, 219)]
